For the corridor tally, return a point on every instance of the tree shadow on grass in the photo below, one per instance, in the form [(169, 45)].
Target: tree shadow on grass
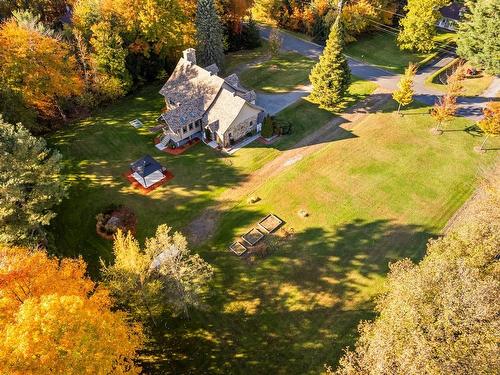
[(291, 312)]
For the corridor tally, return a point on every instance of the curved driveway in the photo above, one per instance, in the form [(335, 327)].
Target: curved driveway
[(470, 107)]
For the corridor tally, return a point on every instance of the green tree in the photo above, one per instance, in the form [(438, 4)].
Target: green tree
[(109, 53), (418, 27), (165, 275), (31, 185), (404, 94), (439, 316), (330, 77), (478, 39), (209, 34), (267, 127)]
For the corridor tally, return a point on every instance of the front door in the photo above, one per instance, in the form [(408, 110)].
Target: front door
[(208, 135)]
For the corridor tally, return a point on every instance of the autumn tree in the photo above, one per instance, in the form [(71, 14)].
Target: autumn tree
[(31, 185), (443, 111), (490, 123), (275, 42), (38, 67), (439, 316), (209, 34), (404, 93), (477, 35), (418, 27), (55, 320), (163, 276), (330, 77)]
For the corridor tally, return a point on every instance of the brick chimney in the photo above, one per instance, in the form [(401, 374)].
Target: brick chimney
[(189, 55)]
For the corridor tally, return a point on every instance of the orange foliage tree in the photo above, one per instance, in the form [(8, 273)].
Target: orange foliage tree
[(39, 67), (55, 320)]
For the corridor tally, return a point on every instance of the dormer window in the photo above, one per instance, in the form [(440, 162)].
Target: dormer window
[(197, 123), (184, 129), (191, 126)]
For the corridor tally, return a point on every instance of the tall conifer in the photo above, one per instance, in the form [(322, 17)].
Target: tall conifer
[(209, 34), (330, 77)]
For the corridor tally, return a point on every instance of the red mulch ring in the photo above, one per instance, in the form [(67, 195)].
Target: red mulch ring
[(178, 150), (136, 185), (266, 142)]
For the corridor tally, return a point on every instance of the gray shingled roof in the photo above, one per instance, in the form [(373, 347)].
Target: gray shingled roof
[(199, 92), (214, 69), (184, 114), (189, 81)]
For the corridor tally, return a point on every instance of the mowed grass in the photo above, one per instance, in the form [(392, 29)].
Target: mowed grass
[(98, 151), (373, 198), (280, 74), (234, 59), (381, 49)]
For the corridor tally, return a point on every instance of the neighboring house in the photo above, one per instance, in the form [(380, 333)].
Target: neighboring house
[(451, 15), (200, 104)]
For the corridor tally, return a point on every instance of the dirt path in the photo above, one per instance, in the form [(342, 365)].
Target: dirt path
[(199, 229)]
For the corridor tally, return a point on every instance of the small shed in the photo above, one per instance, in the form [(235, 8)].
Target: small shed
[(147, 171)]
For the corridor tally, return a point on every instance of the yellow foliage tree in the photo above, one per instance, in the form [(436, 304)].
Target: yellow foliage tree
[(490, 123), (39, 67), (55, 320)]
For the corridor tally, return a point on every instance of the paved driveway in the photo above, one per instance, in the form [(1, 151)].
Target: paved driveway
[(470, 107)]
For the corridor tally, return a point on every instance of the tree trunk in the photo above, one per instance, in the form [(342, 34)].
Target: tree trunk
[(484, 142), (399, 108)]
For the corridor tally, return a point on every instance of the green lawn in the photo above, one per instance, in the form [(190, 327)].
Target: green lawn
[(280, 74), (472, 86), (380, 49), (98, 150), (374, 197), (233, 59)]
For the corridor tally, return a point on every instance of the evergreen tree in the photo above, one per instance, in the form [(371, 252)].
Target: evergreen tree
[(251, 35), (31, 185), (330, 77), (478, 39), (404, 94), (209, 34)]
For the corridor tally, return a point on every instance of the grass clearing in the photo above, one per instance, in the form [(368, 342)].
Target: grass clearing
[(234, 59), (472, 85), (280, 74), (380, 49), (98, 150), (373, 198)]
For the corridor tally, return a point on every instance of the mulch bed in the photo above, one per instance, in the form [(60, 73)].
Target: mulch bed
[(124, 218), (181, 149), (136, 185), (268, 142)]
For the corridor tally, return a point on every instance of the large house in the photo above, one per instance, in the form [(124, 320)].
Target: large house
[(200, 104)]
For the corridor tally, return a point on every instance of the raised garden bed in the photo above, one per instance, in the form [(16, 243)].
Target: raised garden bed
[(270, 223), (237, 248), (252, 236)]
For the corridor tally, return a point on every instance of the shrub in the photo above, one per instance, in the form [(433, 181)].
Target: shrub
[(268, 127)]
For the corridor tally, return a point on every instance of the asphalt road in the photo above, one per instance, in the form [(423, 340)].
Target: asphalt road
[(470, 107)]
